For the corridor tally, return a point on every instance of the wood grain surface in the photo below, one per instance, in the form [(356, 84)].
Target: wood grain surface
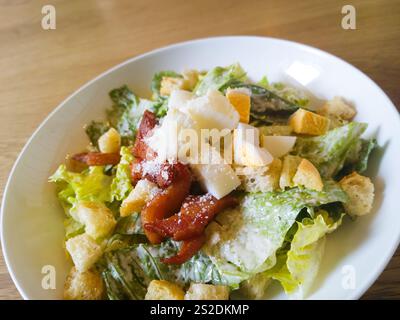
[(39, 68)]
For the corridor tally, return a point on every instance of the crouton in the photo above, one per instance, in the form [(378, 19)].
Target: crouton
[(260, 179), (307, 122), (289, 168), (200, 291), (307, 175), (169, 84), (164, 290), (143, 192), (360, 190), (110, 142), (337, 109), (276, 130), (190, 79), (86, 285), (99, 221), (241, 101), (84, 251)]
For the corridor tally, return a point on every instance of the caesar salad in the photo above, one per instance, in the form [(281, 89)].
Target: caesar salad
[(213, 188)]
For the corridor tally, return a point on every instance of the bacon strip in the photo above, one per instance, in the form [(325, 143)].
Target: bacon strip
[(188, 250), (140, 149), (167, 202), (195, 214), (97, 158)]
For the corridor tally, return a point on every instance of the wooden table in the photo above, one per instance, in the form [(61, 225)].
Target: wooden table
[(41, 68)]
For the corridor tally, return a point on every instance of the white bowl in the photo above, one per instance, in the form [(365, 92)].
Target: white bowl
[(32, 220)]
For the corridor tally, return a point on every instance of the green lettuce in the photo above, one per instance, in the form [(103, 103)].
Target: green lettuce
[(358, 157), (121, 184), (243, 241), (122, 116), (219, 77), (90, 185), (297, 268), (127, 271), (330, 151), (95, 130)]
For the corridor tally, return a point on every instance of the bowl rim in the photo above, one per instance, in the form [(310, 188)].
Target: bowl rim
[(356, 293)]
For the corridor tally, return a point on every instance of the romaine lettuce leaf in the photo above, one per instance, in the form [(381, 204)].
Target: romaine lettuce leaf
[(95, 130), (121, 184), (329, 152), (90, 185), (124, 115), (243, 241), (218, 77), (358, 157), (73, 228), (298, 267), (127, 271)]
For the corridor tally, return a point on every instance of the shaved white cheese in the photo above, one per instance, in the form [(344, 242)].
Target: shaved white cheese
[(246, 147), (278, 146), (217, 178), (213, 111), (178, 99)]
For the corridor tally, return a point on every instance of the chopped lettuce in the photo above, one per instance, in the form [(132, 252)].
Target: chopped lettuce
[(121, 184), (358, 157), (219, 77), (95, 130), (90, 185), (298, 267), (125, 113), (329, 152), (127, 271), (73, 228), (129, 225), (243, 241)]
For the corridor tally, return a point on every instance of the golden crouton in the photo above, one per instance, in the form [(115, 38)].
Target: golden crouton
[(110, 142), (307, 122), (164, 290), (308, 176), (143, 192), (169, 84), (241, 101), (260, 179), (200, 291), (84, 251), (99, 221), (86, 285), (337, 109), (360, 190), (190, 79), (289, 168)]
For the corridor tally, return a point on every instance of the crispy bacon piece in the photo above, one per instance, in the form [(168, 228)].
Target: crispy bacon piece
[(188, 250), (195, 214), (97, 158), (162, 174), (140, 149), (167, 202)]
